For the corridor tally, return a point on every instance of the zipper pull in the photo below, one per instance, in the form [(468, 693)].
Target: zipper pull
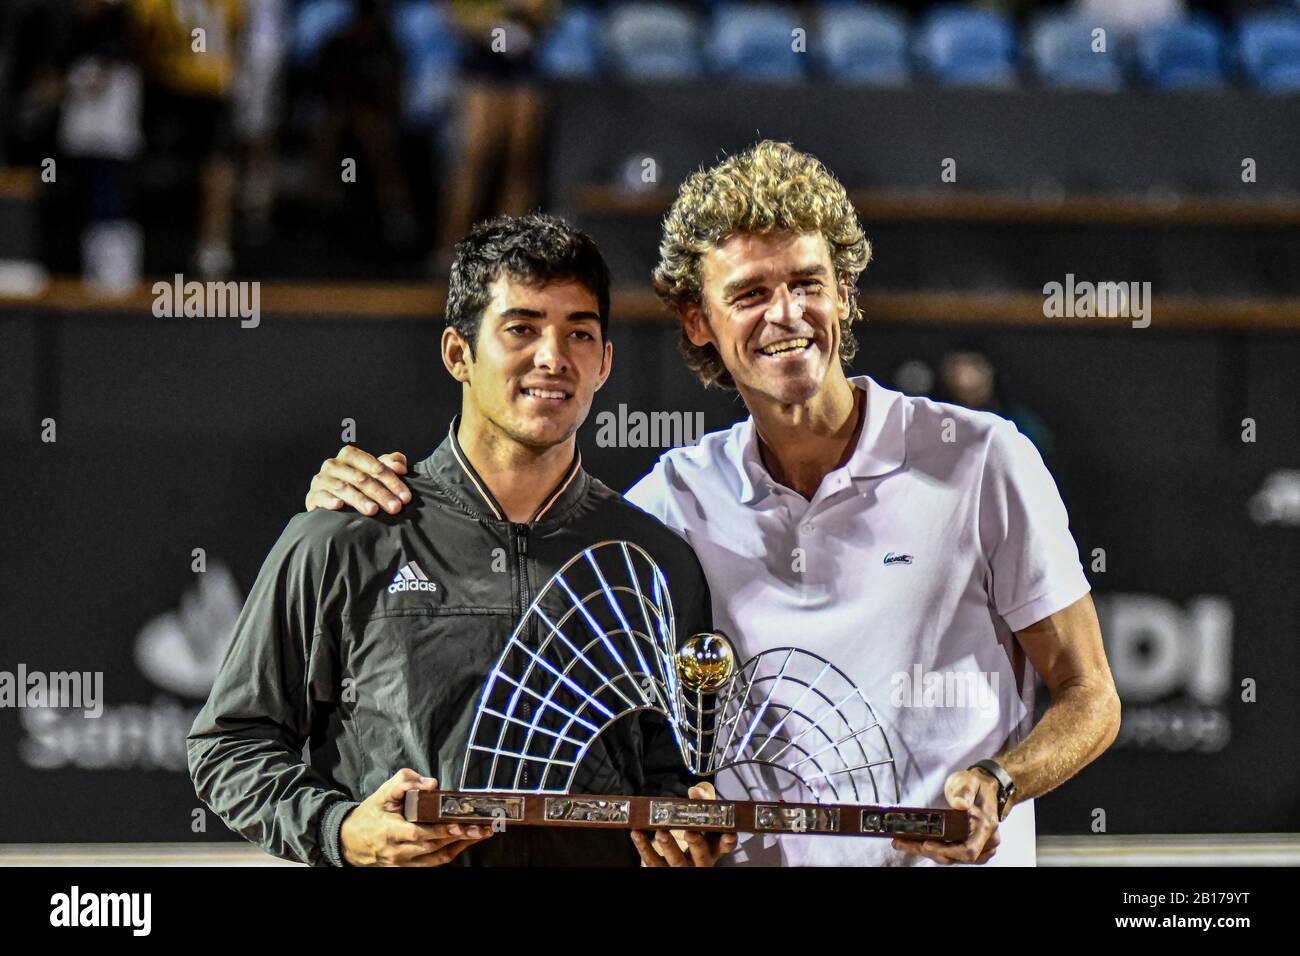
[(522, 531)]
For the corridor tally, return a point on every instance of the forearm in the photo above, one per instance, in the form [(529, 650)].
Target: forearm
[(268, 795), (1076, 729)]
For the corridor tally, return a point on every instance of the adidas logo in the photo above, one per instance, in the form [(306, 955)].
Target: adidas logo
[(411, 578)]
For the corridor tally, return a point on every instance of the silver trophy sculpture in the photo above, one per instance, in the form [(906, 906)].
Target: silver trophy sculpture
[(599, 643)]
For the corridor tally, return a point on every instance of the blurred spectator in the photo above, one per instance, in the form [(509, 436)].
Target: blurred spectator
[(100, 133), (360, 78), (30, 80), (189, 48), (258, 98), (500, 114), (966, 377)]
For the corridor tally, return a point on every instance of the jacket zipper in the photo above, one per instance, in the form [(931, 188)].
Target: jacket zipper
[(521, 551)]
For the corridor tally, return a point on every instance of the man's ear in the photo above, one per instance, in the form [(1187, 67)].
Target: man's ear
[(456, 354), (842, 299), (694, 324), (606, 365)]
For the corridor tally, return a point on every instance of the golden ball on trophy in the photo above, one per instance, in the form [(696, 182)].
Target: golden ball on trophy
[(705, 662)]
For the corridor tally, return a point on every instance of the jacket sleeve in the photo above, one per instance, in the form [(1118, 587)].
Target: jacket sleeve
[(246, 747), (665, 773)]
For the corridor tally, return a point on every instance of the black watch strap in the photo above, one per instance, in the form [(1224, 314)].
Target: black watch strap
[(1006, 786)]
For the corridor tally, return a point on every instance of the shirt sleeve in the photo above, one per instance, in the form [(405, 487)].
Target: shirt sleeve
[(245, 749), (1032, 558), (650, 494)]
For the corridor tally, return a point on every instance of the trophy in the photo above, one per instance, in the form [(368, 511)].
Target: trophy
[(599, 643)]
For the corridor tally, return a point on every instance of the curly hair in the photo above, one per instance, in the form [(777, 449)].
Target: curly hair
[(770, 187)]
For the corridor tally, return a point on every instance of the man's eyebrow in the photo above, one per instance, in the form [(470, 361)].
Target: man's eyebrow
[(520, 312), (744, 282), (736, 285)]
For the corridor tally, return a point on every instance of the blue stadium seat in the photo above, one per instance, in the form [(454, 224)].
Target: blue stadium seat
[(863, 43), (1061, 47), (1268, 48), (1183, 55), (964, 46), (755, 41), (653, 41), (571, 49), (430, 55), (316, 22)]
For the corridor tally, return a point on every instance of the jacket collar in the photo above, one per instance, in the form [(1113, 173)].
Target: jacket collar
[(450, 467)]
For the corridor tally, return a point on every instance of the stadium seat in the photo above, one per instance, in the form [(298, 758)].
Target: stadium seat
[(964, 46), (862, 43), (316, 22), (1061, 47), (1183, 55), (1268, 49), (653, 41), (755, 41), (571, 49), (430, 54)]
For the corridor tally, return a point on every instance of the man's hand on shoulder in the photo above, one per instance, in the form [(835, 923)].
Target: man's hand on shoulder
[(357, 478), (685, 847), (377, 834)]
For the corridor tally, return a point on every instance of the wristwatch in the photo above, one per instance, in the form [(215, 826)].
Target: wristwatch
[(1006, 786)]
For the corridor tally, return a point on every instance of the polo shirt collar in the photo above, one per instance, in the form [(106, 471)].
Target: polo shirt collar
[(881, 446)]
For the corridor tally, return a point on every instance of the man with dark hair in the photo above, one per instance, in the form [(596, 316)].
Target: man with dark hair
[(531, 246), (368, 642)]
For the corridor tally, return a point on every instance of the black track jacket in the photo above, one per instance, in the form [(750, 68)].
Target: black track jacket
[(335, 680)]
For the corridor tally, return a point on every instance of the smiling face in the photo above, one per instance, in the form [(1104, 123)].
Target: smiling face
[(538, 360), (772, 308)]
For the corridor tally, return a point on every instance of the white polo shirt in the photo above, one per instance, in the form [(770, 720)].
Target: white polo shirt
[(910, 570)]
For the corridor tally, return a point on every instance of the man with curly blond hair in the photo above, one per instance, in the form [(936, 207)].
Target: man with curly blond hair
[(769, 189), (921, 547)]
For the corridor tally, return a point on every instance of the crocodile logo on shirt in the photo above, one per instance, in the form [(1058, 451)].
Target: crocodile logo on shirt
[(892, 558)]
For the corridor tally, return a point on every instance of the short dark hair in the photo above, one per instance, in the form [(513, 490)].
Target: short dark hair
[(536, 249)]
